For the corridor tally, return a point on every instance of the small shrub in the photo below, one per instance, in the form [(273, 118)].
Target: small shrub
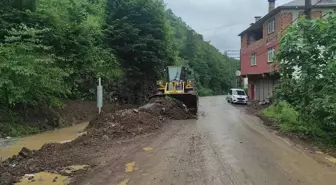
[(205, 92), (270, 112), (288, 119), (288, 114), (282, 112), (311, 130), (17, 130)]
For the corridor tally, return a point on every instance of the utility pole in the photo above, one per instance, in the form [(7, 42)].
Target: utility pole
[(308, 14), (308, 10), (99, 95)]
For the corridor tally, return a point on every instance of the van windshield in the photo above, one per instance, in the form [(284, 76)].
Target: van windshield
[(239, 92)]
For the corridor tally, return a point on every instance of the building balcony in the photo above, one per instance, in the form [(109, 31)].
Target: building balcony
[(255, 44)]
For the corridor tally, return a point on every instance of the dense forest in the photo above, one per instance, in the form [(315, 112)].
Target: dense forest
[(53, 50)]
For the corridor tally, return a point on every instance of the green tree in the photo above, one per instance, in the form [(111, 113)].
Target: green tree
[(214, 71), (138, 33), (307, 68), (29, 75), (77, 38)]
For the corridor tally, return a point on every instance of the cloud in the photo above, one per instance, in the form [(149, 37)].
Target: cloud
[(220, 21)]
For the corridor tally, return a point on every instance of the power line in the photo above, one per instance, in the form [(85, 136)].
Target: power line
[(232, 53), (220, 27), (237, 50)]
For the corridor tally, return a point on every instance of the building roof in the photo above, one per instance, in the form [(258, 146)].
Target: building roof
[(302, 3), (291, 5)]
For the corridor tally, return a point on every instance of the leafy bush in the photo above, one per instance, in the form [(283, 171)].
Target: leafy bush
[(29, 75), (282, 112), (289, 121), (205, 92), (16, 129)]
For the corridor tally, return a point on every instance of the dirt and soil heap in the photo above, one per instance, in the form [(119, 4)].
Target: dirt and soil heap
[(54, 157), (124, 123), (101, 130), (171, 108)]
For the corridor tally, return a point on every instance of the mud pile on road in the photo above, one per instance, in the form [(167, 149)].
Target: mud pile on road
[(79, 111), (124, 123), (51, 157), (99, 136), (54, 157), (171, 108)]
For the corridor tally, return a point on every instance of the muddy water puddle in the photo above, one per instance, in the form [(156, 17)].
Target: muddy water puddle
[(12, 146), (46, 178)]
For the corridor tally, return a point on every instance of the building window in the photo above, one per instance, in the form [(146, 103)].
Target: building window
[(253, 59), (271, 54), (271, 26)]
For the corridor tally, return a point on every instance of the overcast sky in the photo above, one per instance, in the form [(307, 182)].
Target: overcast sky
[(220, 21)]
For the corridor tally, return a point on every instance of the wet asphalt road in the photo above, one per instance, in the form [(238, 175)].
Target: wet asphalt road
[(225, 146)]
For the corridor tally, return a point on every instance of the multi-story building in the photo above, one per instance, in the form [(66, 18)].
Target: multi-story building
[(259, 43)]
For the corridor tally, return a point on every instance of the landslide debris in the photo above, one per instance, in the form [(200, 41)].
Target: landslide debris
[(171, 108), (124, 123), (55, 157)]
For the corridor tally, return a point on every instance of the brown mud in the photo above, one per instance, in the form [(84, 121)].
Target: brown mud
[(223, 146), (79, 111), (173, 109), (47, 118), (104, 132)]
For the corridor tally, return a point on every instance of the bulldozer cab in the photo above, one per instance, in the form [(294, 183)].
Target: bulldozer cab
[(178, 73)]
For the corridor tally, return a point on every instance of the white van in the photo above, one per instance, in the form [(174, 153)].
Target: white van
[(237, 96)]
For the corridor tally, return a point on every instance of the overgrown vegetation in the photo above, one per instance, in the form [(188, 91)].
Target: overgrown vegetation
[(214, 71), (288, 119), (52, 50), (308, 72), (17, 129)]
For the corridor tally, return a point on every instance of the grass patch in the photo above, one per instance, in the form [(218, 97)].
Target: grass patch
[(283, 113), (289, 121), (15, 129), (205, 92)]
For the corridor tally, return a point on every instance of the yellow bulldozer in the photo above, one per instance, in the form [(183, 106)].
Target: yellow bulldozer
[(178, 84)]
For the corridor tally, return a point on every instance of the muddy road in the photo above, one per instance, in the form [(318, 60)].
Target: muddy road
[(224, 146)]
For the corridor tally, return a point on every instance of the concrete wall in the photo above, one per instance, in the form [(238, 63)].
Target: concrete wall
[(245, 82)]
